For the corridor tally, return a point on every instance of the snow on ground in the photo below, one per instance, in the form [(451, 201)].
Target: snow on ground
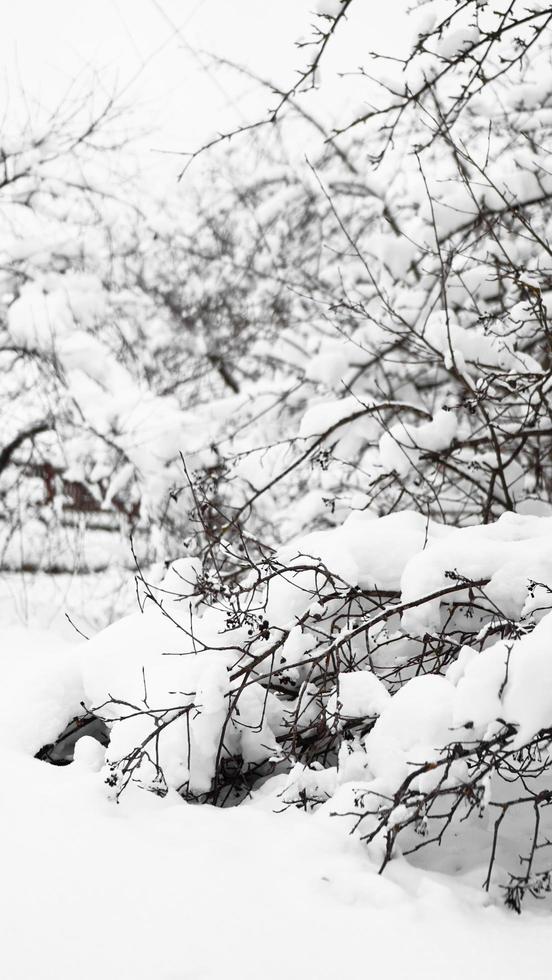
[(154, 889), (173, 891), (41, 600)]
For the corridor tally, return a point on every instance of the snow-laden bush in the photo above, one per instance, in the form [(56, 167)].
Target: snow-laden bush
[(363, 611), (396, 669)]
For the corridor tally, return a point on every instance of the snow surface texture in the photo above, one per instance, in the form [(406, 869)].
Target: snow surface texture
[(41, 601), (140, 890)]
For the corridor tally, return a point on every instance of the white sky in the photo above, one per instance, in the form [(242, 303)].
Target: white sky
[(131, 45)]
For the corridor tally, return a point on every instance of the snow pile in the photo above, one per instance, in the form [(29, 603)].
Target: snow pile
[(399, 448), (509, 555), (473, 347), (323, 691), (42, 688), (160, 870), (359, 694)]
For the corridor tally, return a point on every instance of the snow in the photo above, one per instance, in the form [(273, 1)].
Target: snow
[(174, 860), (42, 673), (39, 318), (511, 680), (359, 694), (454, 42), (328, 8), (419, 713), (330, 365), (399, 448), (366, 550), (52, 602), (510, 553), (473, 346), (326, 414), (142, 889)]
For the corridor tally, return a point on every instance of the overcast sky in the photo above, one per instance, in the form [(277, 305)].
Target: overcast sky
[(150, 50)]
